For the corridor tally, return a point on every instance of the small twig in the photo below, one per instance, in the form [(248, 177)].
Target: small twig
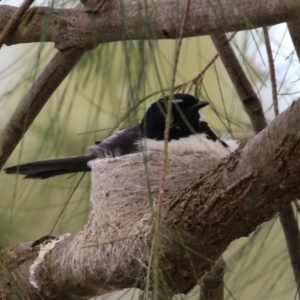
[(210, 63), (272, 70), (14, 20), (35, 99), (195, 79)]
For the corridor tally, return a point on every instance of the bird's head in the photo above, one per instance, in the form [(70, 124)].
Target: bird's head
[(184, 117)]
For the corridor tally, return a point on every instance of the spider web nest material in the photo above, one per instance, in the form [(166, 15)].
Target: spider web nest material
[(117, 238)]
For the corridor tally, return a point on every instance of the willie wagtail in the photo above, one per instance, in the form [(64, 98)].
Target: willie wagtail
[(188, 134)]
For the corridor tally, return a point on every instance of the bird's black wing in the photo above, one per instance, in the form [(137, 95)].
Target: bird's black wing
[(122, 142)]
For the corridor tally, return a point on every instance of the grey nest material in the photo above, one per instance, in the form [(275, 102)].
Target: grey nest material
[(118, 235)]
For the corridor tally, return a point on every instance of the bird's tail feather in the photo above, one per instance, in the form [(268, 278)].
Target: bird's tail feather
[(51, 167)]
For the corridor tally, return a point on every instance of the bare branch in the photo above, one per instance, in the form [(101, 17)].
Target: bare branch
[(272, 70), (51, 77), (228, 200), (69, 28), (240, 81), (14, 21)]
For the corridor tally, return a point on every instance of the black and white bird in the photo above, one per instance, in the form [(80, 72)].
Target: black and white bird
[(188, 134)]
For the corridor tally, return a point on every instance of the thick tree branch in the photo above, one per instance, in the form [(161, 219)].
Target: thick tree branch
[(44, 86), (227, 200), (69, 28)]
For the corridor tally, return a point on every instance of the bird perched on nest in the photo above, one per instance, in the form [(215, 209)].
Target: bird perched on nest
[(188, 134)]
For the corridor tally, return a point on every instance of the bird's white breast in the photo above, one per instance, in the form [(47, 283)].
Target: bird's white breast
[(196, 143)]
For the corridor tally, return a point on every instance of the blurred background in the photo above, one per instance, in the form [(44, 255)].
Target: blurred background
[(91, 103)]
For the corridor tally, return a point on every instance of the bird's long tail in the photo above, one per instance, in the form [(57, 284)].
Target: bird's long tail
[(52, 167)]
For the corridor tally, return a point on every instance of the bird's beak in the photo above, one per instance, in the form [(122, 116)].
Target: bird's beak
[(197, 106)]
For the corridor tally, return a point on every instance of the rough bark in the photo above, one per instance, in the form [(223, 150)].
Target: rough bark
[(224, 202), (79, 28)]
